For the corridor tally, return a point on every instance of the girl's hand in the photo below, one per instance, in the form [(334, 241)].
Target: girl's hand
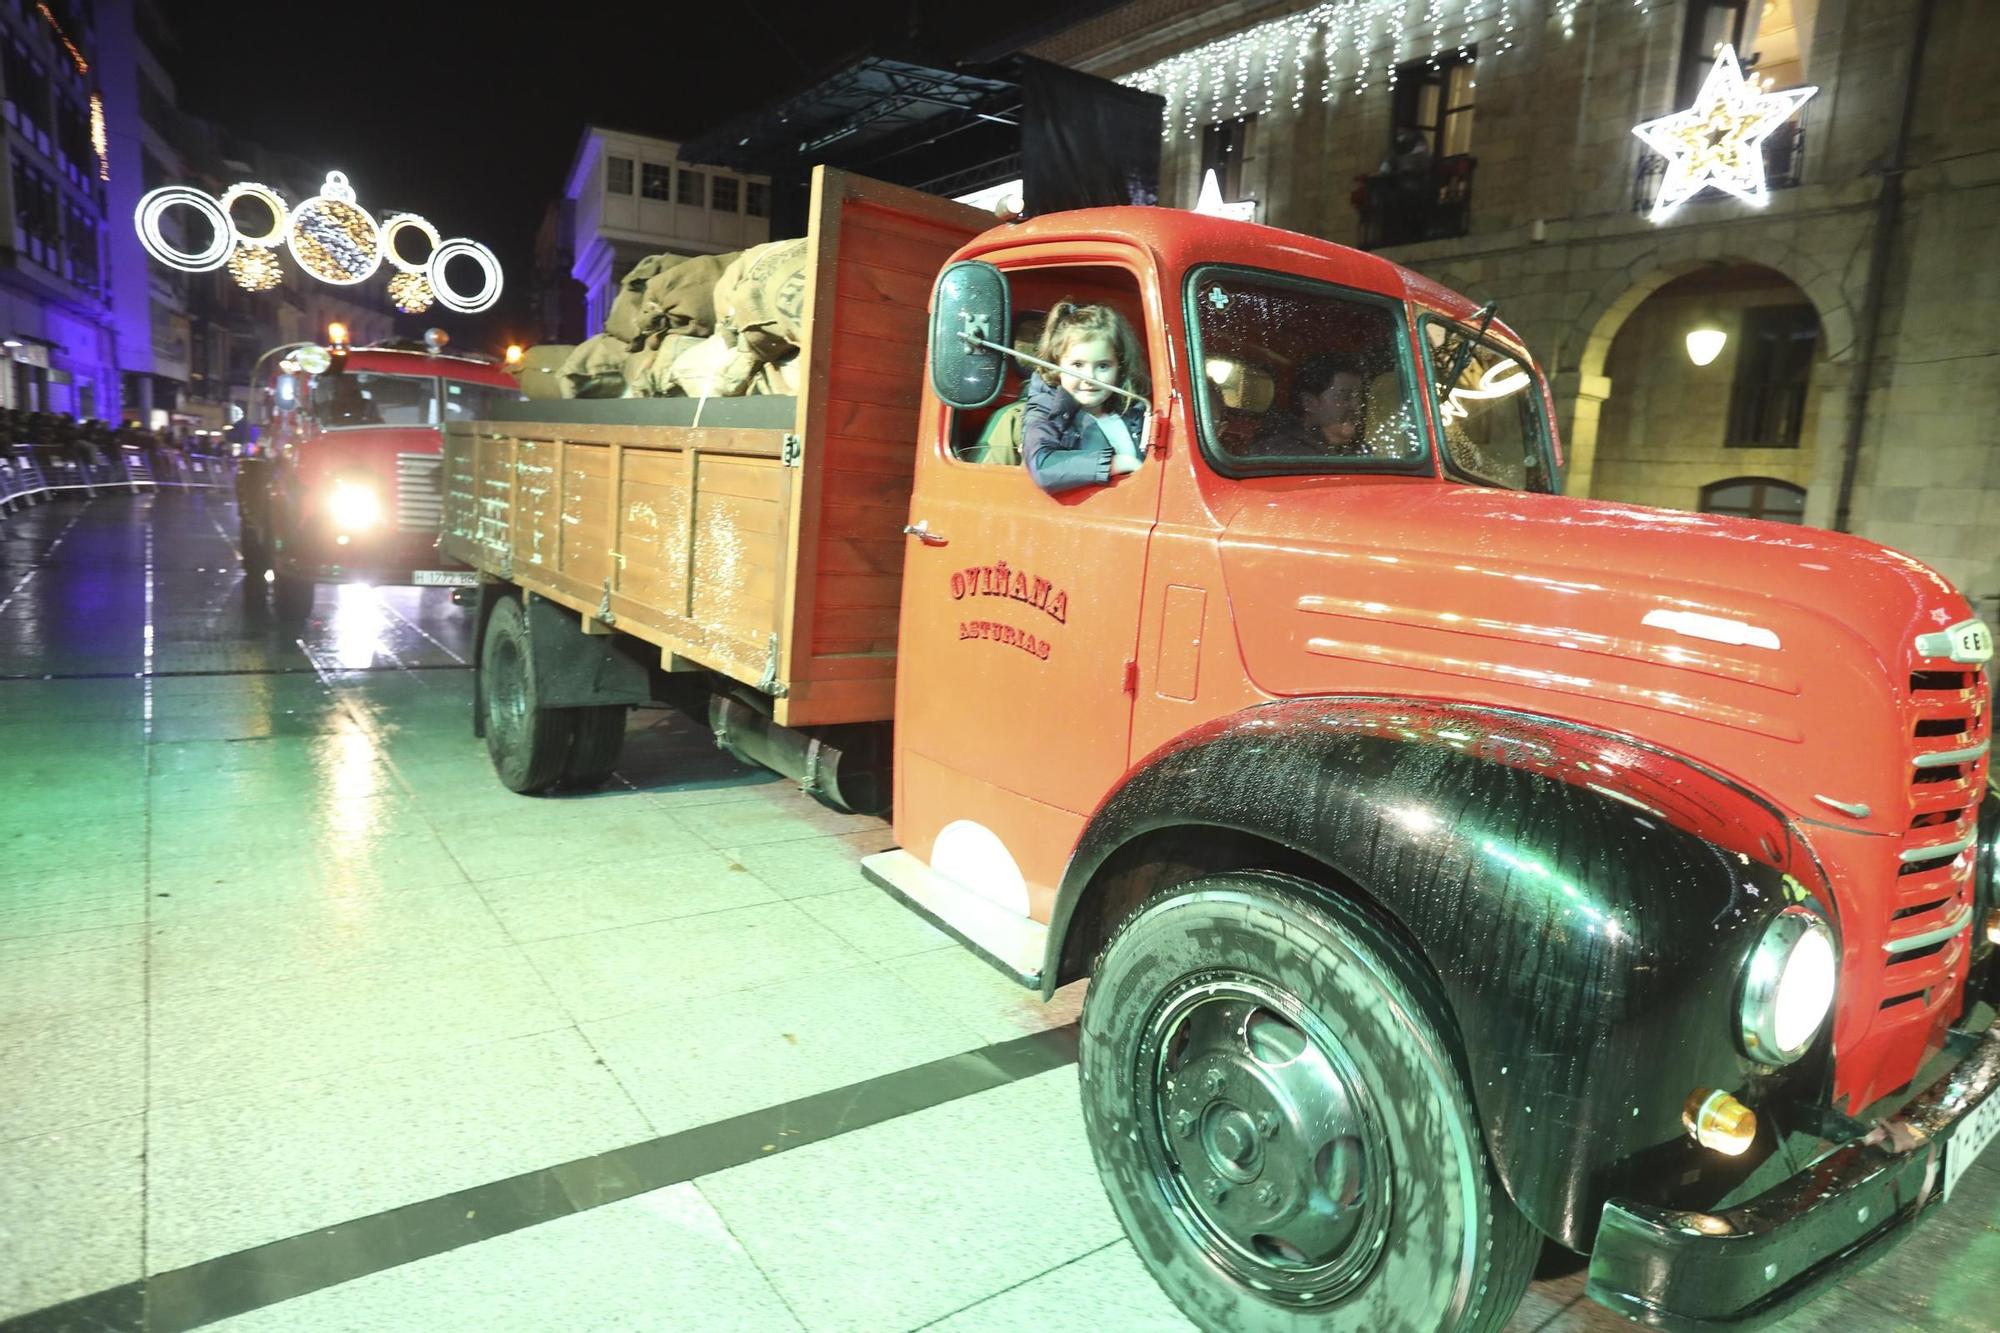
[(1121, 465)]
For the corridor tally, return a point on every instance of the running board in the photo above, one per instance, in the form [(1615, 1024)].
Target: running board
[(1011, 943)]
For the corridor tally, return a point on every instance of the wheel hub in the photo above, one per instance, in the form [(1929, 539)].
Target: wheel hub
[(1270, 1151)]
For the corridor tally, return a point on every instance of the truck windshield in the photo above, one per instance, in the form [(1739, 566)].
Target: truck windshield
[(365, 398), (1300, 376), (468, 402), (1491, 417)]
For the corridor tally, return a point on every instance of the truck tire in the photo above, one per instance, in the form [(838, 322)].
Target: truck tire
[(527, 742), (256, 552), (291, 597), (598, 736), (1275, 1102)]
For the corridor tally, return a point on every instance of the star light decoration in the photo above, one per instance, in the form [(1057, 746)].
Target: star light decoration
[(1211, 202), (1719, 141)]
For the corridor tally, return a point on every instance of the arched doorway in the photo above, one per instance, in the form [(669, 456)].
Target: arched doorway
[(1667, 428)]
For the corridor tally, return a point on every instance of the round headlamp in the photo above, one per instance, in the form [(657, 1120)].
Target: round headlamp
[(1788, 987), (353, 506)]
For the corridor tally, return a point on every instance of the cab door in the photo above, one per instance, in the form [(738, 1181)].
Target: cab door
[(1019, 631)]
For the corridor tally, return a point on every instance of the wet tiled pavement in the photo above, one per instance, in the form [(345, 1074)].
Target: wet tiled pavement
[(290, 988)]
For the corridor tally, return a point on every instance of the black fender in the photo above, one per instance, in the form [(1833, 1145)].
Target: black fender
[(572, 669), (1585, 902)]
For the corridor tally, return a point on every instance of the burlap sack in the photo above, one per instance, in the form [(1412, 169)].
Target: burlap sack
[(627, 312), (538, 373), (760, 302), (658, 380), (681, 299), (697, 370), (778, 377), (596, 369)]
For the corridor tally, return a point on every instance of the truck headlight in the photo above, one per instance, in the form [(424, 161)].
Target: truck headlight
[(1788, 987), (353, 506)]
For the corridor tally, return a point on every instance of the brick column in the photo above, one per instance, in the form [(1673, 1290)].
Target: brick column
[(1579, 401)]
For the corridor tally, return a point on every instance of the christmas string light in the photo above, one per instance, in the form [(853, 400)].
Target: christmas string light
[(100, 138)]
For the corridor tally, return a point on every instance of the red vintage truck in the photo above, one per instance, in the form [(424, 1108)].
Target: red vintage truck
[(346, 485), (1456, 864)]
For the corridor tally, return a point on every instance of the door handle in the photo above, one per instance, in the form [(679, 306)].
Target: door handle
[(921, 530)]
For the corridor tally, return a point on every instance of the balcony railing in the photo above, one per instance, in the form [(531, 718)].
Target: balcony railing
[(1404, 208), (1784, 165)]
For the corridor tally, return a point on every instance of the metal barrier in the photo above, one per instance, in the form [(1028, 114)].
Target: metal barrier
[(30, 474)]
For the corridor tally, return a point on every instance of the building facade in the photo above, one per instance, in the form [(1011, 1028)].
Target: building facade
[(57, 347), (629, 196), (1489, 144)]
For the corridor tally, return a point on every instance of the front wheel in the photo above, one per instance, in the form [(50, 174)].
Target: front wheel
[(1273, 1097)]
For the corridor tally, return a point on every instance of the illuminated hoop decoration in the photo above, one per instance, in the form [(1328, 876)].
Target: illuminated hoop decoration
[(157, 202), (333, 238), (411, 288), (451, 300), (252, 264)]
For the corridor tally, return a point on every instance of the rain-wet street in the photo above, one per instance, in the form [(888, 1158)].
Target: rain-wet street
[(306, 1023)]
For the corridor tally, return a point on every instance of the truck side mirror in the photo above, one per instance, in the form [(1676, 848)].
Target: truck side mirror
[(969, 325)]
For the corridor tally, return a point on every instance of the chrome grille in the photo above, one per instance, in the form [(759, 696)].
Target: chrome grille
[(1931, 904), (419, 492)]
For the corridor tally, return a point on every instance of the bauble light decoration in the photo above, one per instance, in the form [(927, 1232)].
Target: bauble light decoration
[(255, 269), (334, 238), (330, 235), (411, 293)]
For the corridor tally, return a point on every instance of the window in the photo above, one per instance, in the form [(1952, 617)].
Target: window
[(471, 402), (656, 181), (365, 398), (1710, 23), (1223, 150), (993, 436), (80, 240), (693, 188), (618, 175), (1767, 402), (724, 200), (756, 199), (27, 84), (1300, 376), (1433, 100), (73, 135), (1490, 416), (36, 215), (1755, 497)]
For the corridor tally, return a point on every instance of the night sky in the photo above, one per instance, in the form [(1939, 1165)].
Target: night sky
[(469, 116)]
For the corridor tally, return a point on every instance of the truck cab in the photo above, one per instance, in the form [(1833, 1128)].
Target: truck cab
[(347, 486), (1455, 864), (1432, 838)]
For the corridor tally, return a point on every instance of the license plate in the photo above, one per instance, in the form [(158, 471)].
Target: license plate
[(445, 578), (1974, 1135)]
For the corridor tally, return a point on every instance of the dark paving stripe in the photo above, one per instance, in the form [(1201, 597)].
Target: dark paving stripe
[(251, 1279), (386, 669)]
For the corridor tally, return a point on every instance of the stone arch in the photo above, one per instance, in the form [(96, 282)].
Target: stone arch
[(1580, 385)]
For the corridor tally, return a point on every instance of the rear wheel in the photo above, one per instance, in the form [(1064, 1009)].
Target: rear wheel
[(598, 736), (527, 742), (1274, 1099)]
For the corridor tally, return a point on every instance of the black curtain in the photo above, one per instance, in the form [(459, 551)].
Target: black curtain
[(1086, 142)]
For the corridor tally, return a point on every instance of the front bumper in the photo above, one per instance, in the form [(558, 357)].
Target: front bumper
[(1743, 1267)]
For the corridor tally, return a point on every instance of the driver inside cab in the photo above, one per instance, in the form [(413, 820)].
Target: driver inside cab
[(1330, 404)]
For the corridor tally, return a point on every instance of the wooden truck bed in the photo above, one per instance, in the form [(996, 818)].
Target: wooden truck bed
[(758, 537)]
